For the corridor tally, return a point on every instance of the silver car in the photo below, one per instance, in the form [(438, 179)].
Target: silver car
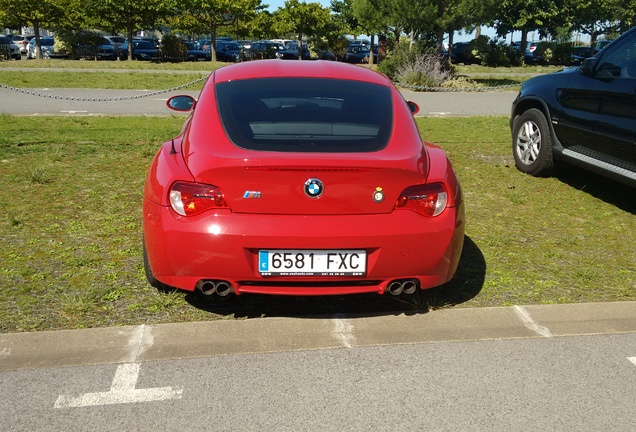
[(46, 45), (8, 49)]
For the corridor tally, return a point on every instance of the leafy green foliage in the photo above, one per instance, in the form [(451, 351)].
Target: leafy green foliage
[(173, 49)]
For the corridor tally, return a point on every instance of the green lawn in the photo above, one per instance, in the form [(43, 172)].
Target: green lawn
[(70, 228)]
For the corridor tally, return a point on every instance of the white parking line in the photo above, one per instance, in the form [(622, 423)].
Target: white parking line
[(122, 391), (343, 331), (632, 359), (530, 323)]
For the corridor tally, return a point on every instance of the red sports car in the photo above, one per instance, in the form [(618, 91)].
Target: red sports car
[(300, 178)]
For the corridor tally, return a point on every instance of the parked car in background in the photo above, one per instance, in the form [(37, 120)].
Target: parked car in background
[(46, 46), (263, 49), (356, 54), (585, 116), (602, 44), (580, 53), (206, 45), (9, 49), (229, 51), (150, 39), (101, 49), (195, 53), (318, 183), (116, 41), (458, 53), (21, 41), (141, 50), (291, 52), (530, 55), (327, 55), (357, 42)]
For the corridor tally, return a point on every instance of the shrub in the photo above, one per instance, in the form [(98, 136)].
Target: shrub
[(501, 54), (476, 49), (425, 70), (461, 83), (417, 66), (173, 49)]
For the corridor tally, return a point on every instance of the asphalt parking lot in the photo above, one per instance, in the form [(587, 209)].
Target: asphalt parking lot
[(553, 367)]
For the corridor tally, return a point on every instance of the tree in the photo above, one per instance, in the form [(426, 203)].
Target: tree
[(598, 17), (344, 17), (129, 16), (301, 19), (546, 16), (379, 16), (371, 19), (206, 16), (38, 15)]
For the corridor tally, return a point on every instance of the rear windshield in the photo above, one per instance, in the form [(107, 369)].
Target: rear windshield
[(306, 114)]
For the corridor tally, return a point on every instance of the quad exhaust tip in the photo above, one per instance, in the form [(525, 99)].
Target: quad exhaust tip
[(219, 287)]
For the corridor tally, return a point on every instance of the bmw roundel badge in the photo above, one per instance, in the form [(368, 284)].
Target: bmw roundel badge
[(314, 188), (378, 195)]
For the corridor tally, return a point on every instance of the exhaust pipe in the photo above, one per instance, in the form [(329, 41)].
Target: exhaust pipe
[(207, 287), (406, 286), (395, 288), (409, 286), (223, 288)]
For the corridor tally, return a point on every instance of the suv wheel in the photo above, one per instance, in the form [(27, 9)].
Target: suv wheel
[(532, 143)]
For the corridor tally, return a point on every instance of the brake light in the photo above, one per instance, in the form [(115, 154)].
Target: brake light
[(428, 200), (189, 199)]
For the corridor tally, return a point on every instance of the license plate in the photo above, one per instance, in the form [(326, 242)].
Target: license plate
[(312, 262)]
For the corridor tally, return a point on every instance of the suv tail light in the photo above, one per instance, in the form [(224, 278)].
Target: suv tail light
[(428, 200), (189, 199)]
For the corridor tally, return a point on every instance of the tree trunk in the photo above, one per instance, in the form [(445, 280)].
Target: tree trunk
[(300, 46), (129, 32), (38, 44), (524, 44), (212, 41)]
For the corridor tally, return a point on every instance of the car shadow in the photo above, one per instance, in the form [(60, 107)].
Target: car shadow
[(602, 188), (466, 284)]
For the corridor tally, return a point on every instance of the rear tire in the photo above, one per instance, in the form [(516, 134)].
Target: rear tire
[(532, 143), (152, 280)]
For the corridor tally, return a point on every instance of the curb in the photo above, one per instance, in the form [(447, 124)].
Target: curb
[(67, 348)]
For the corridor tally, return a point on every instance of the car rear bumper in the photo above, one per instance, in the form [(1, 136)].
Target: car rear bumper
[(183, 252)]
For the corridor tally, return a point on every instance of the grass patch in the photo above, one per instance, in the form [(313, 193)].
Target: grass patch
[(71, 245), (99, 80)]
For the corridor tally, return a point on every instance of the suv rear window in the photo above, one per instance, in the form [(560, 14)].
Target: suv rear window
[(306, 114)]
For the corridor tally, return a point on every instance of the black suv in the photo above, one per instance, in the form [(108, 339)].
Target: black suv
[(264, 50), (584, 115)]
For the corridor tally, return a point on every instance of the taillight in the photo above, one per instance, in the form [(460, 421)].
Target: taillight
[(428, 200), (189, 199)]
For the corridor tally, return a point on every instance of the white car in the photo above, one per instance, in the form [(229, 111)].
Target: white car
[(46, 45), (8, 49), (21, 41)]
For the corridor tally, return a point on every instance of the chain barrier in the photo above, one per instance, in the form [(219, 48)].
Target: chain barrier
[(141, 96), (111, 99)]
